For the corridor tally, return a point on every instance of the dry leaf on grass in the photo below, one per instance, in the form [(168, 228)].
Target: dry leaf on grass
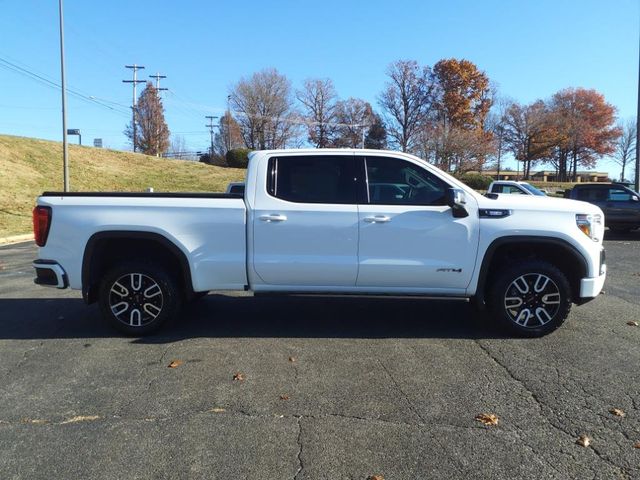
[(238, 377), (488, 419), (175, 364), (583, 441), (218, 410), (636, 445), (80, 418), (617, 412), (375, 477), (284, 397), (632, 323), (292, 359)]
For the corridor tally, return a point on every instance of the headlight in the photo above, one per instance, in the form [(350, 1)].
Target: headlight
[(590, 225)]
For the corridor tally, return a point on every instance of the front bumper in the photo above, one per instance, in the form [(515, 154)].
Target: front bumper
[(591, 287), (50, 274)]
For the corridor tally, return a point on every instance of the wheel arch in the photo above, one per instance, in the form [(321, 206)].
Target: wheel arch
[(103, 248), (555, 250)]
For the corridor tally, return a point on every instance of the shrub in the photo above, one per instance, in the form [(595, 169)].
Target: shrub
[(476, 181), (238, 157)]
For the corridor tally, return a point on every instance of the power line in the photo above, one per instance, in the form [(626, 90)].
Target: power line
[(26, 72), (135, 82)]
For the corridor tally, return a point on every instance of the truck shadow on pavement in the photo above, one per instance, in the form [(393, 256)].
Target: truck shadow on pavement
[(263, 316)]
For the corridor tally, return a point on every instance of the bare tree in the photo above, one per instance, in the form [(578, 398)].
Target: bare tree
[(625, 146), (152, 132), (318, 97), (354, 117), (178, 147), (529, 133), (264, 108), (407, 101)]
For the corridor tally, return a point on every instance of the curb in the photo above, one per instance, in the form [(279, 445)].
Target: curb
[(16, 239)]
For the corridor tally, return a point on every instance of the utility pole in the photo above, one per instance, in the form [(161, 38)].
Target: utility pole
[(157, 76), (135, 82), (211, 126), (65, 158)]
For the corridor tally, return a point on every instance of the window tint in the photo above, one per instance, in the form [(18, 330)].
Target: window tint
[(513, 190), (398, 182), (313, 179), (595, 194), (619, 195)]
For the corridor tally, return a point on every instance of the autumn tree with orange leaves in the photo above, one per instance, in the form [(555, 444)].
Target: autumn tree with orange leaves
[(455, 138), (585, 130)]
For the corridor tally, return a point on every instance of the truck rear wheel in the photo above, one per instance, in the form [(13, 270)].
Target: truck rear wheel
[(531, 299), (136, 298)]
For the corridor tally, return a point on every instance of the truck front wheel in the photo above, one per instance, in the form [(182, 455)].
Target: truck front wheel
[(136, 298), (531, 298)]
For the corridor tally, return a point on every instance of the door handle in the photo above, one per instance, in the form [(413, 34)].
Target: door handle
[(377, 219), (273, 218)]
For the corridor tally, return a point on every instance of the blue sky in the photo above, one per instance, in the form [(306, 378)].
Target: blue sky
[(531, 49)]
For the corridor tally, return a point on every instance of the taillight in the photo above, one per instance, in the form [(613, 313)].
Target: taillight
[(41, 224)]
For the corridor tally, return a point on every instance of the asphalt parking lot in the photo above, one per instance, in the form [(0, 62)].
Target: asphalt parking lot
[(334, 388)]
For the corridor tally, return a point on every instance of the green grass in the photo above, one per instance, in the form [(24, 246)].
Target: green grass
[(29, 166)]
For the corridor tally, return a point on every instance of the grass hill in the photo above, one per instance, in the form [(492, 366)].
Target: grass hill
[(29, 166)]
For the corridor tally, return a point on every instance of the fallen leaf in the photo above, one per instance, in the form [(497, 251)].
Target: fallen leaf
[(292, 359), (37, 421), (636, 445), (488, 419), (81, 418), (375, 477), (175, 364), (632, 323), (284, 397), (238, 377), (617, 412), (583, 441), (218, 410)]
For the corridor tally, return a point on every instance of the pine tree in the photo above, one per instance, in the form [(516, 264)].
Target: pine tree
[(152, 132)]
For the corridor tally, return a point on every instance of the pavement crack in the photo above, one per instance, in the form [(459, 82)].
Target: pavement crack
[(299, 442), (404, 395)]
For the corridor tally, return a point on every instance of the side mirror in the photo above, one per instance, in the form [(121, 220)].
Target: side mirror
[(457, 200)]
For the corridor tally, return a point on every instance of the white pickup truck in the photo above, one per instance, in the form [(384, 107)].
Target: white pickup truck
[(324, 221)]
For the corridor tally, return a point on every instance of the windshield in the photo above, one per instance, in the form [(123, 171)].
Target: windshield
[(533, 189)]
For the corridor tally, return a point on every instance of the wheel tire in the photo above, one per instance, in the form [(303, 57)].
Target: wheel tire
[(136, 298), (530, 299)]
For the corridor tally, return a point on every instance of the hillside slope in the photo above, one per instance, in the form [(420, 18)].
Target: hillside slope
[(30, 166)]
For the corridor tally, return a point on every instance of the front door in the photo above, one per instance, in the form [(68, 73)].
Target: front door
[(305, 229), (408, 236)]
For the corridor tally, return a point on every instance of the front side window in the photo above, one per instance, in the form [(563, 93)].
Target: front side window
[(392, 181), (619, 195), (313, 179)]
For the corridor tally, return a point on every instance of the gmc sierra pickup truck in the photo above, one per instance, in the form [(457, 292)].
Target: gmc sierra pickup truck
[(324, 221)]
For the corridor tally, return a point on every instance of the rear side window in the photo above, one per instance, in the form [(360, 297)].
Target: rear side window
[(313, 179), (397, 182), (595, 194)]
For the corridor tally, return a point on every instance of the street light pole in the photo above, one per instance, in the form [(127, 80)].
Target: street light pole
[(637, 179), (65, 159)]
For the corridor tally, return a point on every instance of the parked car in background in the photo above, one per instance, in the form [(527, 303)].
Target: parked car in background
[(236, 188), (620, 204), (514, 188)]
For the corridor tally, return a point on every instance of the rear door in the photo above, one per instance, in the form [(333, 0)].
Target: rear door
[(306, 223), (408, 236)]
